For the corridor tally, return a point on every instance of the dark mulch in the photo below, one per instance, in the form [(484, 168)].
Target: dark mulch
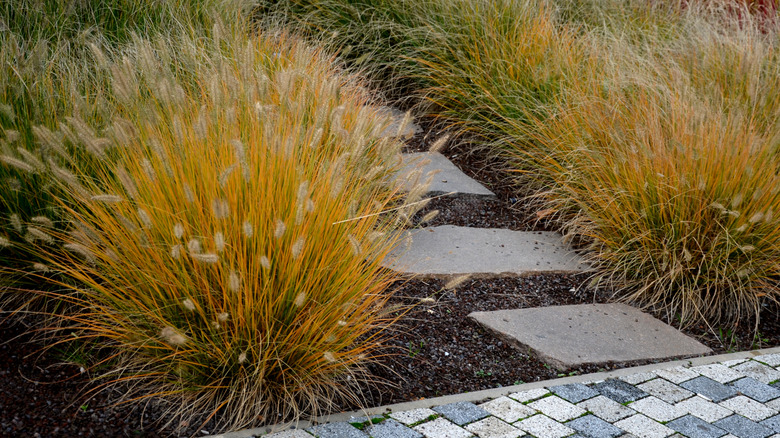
[(436, 350)]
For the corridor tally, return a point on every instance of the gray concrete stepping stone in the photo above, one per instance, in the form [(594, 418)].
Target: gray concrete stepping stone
[(392, 429), (773, 423), (620, 391), (694, 427), (462, 413), (445, 177), (756, 390), (741, 427), (450, 250), (591, 426), (337, 430), (570, 336), (715, 391), (396, 117)]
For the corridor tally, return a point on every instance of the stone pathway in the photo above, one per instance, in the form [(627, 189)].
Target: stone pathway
[(728, 396), (710, 397)]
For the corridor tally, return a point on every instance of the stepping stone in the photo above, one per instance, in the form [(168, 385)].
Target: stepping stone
[(571, 336), (417, 167), (450, 250), (396, 117)]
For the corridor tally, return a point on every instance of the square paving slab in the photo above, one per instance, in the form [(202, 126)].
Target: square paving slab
[(570, 336), (445, 177), (482, 252)]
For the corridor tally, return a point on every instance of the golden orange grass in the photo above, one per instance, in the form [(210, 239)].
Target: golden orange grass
[(236, 290), (677, 198)]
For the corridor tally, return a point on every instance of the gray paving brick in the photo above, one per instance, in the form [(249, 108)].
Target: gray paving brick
[(756, 390), (442, 428), (525, 396), (665, 390), (575, 392), (365, 419), (413, 416), (492, 427), (462, 413), (769, 359), (758, 371), (337, 430), (677, 374), (542, 426), (295, 433), (606, 408), (635, 379), (694, 427), (704, 409), (773, 423), (591, 426), (507, 409), (644, 427), (392, 429), (619, 391), (657, 409), (748, 407), (718, 372), (557, 408), (741, 427), (709, 388)]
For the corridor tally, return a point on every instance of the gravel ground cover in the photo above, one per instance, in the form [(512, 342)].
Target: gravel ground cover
[(435, 350)]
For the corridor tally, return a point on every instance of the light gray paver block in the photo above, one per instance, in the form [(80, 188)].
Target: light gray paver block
[(704, 409), (747, 407), (769, 359), (718, 372), (542, 426), (296, 433), (574, 392), (773, 404), (533, 394), (392, 429), (452, 250), (492, 427), (445, 177), (570, 336), (743, 428), (677, 374), (644, 427), (731, 363), (619, 391), (461, 413), (756, 390), (606, 408), (758, 371), (337, 430), (557, 408), (709, 388), (636, 379), (665, 390), (773, 423), (591, 426), (694, 427), (442, 428), (657, 409), (413, 416), (507, 409)]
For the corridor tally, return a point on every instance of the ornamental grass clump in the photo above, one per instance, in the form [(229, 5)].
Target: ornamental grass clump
[(229, 251), (673, 183)]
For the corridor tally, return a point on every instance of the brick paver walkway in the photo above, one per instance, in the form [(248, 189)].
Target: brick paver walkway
[(734, 398)]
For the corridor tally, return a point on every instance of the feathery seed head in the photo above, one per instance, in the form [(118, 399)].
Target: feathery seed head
[(172, 336), (242, 357), (265, 263), (81, 250), (220, 208), (297, 247), (736, 201), (127, 182), (49, 139), (189, 195), (176, 251), (309, 206), (16, 222), (353, 242), (439, 143), (206, 258), (4, 242), (247, 229), (756, 217), (40, 267), (178, 230), (44, 221), (223, 177), (193, 246), (279, 229), (234, 282), (148, 169), (219, 241), (39, 234), (145, 218), (300, 299), (341, 323), (188, 304), (429, 216), (17, 163), (222, 317), (329, 356), (108, 199), (457, 281)]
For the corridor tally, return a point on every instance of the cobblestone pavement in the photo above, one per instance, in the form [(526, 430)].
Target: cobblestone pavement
[(735, 398)]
